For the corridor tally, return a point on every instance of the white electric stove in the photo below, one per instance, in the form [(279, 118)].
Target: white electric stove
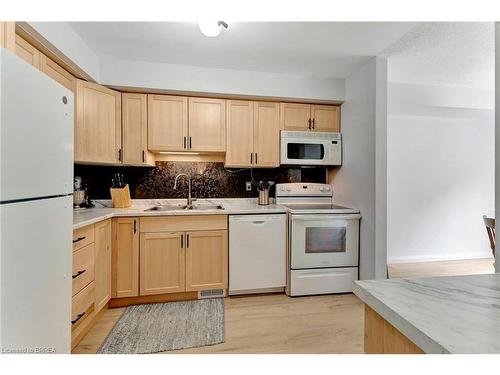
[(323, 240)]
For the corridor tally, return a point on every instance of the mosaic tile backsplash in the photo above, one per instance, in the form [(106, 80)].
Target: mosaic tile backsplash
[(210, 179)]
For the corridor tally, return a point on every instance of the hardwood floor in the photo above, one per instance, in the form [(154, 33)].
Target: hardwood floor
[(441, 268), (272, 324), (280, 324)]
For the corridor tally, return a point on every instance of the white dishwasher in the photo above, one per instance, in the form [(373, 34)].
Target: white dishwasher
[(257, 253)]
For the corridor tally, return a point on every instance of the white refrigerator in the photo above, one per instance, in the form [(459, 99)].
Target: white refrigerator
[(36, 175)]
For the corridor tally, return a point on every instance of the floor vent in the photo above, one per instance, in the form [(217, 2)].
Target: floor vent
[(214, 293)]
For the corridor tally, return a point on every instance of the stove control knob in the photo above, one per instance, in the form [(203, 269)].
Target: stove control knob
[(288, 189), (327, 189), (321, 189), (282, 188)]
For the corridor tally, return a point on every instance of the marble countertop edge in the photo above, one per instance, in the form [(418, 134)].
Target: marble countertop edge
[(419, 338)]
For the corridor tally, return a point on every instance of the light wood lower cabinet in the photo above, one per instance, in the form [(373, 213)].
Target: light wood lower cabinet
[(206, 260), (183, 254), (125, 258), (382, 338), (162, 263), (102, 263)]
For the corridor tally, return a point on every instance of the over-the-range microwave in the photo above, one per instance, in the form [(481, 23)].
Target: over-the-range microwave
[(311, 148)]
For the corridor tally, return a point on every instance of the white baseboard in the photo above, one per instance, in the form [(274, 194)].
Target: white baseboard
[(437, 257)]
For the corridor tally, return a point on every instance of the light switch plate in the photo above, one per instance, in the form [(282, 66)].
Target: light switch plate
[(249, 185)]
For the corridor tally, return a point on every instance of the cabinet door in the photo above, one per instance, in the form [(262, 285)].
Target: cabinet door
[(125, 259), (135, 130), (239, 150), (167, 123), (206, 260), (102, 264), (8, 35), (207, 125), (57, 73), (98, 124), (266, 134), (163, 263), (295, 116), (27, 52), (326, 118)]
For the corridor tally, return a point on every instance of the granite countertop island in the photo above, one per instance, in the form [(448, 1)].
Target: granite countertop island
[(455, 314), (234, 206)]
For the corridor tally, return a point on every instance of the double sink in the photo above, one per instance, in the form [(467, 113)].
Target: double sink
[(185, 207)]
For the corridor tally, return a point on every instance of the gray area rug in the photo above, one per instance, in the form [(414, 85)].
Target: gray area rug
[(158, 327)]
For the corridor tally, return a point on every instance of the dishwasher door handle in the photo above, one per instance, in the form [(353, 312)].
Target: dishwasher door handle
[(258, 222)]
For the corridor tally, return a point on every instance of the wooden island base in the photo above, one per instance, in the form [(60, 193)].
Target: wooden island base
[(382, 338)]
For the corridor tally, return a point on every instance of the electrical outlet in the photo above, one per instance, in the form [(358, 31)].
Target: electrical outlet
[(249, 185)]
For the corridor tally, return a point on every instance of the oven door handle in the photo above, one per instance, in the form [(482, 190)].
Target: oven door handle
[(315, 217)]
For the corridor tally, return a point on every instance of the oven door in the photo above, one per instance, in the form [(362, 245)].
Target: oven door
[(304, 151), (321, 240)]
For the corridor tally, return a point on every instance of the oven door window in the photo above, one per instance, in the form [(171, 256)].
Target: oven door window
[(305, 151), (325, 240)]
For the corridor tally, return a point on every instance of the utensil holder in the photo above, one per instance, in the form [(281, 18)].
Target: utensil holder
[(263, 197), (121, 197)]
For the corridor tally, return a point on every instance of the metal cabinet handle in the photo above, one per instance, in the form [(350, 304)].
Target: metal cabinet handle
[(78, 274), (251, 158), (120, 154), (190, 143), (187, 241), (256, 162), (135, 226), (182, 241), (143, 156), (313, 124), (309, 123), (79, 239), (184, 142), (78, 317)]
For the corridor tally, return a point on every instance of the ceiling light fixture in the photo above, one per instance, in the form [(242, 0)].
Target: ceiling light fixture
[(211, 28)]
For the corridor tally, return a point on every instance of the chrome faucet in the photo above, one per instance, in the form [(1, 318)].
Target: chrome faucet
[(190, 199)]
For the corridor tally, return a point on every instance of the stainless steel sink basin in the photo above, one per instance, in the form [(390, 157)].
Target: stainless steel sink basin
[(183, 207)]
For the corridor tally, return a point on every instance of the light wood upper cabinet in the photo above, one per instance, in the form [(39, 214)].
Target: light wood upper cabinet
[(162, 263), (326, 118), (57, 73), (135, 130), (8, 35), (102, 264), (309, 117), (125, 257), (266, 134), (252, 134), (98, 124), (27, 52), (207, 125), (167, 123), (206, 260), (294, 116), (239, 151)]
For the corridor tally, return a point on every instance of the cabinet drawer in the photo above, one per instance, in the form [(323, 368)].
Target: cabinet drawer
[(183, 223), (82, 305), (83, 237), (83, 267)]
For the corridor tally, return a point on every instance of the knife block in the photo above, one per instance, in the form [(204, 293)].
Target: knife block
[(121, 197)]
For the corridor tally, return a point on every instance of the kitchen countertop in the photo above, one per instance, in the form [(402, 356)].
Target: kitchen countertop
[(234, 206), (453, 314)]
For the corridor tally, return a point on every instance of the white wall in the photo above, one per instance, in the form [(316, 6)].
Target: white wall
[(440, 182), (355, 183), (65, 39), (141, 74)]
